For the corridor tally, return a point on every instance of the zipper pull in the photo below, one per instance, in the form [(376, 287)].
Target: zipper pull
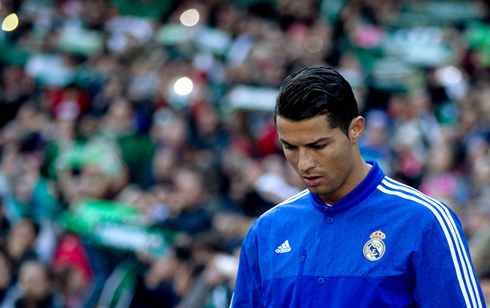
[(303, 257)]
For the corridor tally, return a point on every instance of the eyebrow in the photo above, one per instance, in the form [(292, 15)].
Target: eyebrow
[(309, 144)]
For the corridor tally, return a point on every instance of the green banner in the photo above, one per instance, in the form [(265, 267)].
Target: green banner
[(117, 226)]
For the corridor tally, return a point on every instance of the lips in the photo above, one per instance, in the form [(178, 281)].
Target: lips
[(312, 180)]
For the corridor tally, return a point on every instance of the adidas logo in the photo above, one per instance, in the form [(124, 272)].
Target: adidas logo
[(284, 248)]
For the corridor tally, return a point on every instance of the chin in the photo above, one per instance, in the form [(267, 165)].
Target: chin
[(320, 191)]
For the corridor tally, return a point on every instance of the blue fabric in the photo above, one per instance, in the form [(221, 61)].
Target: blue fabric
[(425, 261)]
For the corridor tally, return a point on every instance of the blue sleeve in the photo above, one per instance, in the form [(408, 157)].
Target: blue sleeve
[(248, 284), (444, 274)]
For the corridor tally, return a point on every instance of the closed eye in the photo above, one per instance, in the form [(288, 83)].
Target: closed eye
[(318, 146)]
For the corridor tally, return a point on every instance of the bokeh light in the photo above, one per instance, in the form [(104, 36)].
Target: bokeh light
[(452, 75), (10, 22), (313, 44), (189, 18), (183, 86)]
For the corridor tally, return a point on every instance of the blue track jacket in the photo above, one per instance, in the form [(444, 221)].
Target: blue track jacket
[(383, 245)]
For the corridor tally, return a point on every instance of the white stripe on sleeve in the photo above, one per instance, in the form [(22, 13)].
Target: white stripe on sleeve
[(444, 229), (461, 249)]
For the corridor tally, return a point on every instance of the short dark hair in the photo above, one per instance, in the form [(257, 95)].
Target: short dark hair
[(315, 91)]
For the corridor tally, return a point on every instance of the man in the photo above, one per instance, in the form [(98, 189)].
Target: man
[(35, 284), (354, 238)]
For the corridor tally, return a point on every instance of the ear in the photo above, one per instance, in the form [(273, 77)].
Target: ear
[(356, 129)]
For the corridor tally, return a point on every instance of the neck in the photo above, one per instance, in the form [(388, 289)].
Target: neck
[(360, 170)]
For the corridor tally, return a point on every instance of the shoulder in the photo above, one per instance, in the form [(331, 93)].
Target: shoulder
[(292, 204), (413, 203), (289, 208)]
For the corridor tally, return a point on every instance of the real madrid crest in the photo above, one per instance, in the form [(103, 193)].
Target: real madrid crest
[(375, 248)]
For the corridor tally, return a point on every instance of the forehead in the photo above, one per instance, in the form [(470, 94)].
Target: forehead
[(305, 131)]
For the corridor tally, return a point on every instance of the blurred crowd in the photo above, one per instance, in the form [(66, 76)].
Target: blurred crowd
[(118, 189)]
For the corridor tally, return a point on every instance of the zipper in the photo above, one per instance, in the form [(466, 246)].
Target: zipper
[(300, 276)]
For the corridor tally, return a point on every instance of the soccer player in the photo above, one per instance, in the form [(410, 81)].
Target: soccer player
[(354, 237)]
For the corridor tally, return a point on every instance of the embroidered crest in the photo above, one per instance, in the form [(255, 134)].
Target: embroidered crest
[(374, 249)]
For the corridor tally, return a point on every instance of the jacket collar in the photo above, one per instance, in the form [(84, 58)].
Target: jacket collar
[(357, 195)]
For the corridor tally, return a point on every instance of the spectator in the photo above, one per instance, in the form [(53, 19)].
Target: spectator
[(20, 243), (36, 285), (188, 212)]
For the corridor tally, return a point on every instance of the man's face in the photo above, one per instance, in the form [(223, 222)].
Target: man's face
[(323, 157), (189, 189), (34, 281)]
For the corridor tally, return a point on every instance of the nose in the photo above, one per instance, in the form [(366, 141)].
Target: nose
[(305, 162)]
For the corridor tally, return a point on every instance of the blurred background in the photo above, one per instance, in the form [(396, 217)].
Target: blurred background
[(137, 143)]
